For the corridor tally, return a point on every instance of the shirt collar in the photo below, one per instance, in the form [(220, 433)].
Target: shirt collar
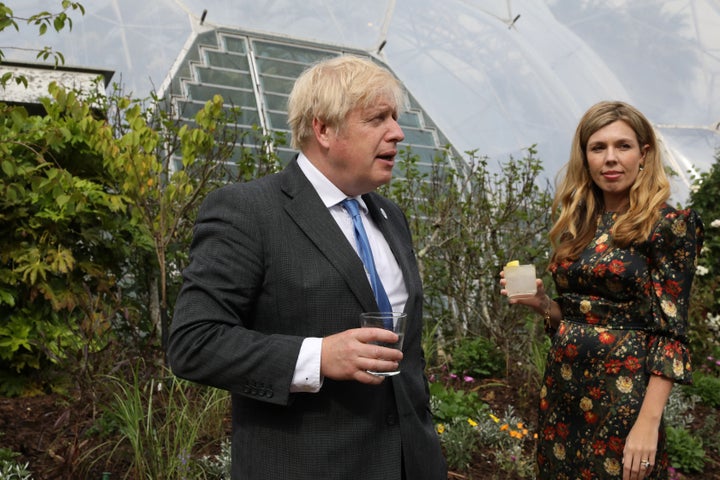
[(329, 194)]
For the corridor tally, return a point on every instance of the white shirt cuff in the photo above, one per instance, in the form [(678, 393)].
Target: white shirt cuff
[(307, 369)]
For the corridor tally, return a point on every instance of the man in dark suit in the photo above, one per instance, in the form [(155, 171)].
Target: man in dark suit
[(270, 304)]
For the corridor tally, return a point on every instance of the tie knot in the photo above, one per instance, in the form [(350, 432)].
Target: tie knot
[(351, 205)]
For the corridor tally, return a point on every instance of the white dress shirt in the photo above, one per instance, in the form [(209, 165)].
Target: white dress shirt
[(307, 369)]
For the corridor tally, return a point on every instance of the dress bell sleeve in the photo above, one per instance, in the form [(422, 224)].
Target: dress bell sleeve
[(675, 247)]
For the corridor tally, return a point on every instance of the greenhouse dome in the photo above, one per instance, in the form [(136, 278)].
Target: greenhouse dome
[(495, 77)]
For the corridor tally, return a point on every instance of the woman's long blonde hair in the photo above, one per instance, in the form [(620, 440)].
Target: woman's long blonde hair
[(578, 201)]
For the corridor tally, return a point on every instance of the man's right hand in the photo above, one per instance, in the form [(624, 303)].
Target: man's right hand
[(348, 355)]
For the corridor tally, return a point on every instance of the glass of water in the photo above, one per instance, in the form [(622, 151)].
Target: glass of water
[(394, 321)]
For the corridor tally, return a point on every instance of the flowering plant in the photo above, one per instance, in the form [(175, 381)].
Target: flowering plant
[(705, 300)]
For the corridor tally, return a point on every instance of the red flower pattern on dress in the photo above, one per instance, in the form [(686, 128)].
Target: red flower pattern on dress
[(607, 338), (596, 393), (562, 430), (658, 289), (571, 351), (590, 417), (599, 447), (617, 267), (599, 270), (633, 364), (624, 319), (673, 348), (672, 288), (616, 444), (613, 366)]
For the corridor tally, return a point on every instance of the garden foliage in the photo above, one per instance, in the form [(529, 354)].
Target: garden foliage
[(97, 204)]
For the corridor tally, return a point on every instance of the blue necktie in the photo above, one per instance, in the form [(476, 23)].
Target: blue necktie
[(351, 205)]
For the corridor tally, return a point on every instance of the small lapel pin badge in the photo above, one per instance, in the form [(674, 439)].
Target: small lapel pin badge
[(383, 213)]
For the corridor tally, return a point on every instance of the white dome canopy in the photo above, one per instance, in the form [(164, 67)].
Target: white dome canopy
[(496, 77)]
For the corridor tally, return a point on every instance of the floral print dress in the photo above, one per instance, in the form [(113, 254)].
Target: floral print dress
[(624, 319)]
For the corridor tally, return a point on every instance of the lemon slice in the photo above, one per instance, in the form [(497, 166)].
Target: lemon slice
[(514, 263)]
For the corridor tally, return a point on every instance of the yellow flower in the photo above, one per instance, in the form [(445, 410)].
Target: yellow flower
[(624, 384), (669, 308), (586, 404), (612, 466), (566, 371), (472, 422), (677, 367), (495, 419), (679, 228), (520, 425), (585, 306), (559, 451), (440, 428)]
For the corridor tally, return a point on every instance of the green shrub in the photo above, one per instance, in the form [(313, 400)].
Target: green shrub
[(685, 450), (10, 470), (679, 408), (707, 387), (710, 432), (478, 357), (449, 404), (459, 441)]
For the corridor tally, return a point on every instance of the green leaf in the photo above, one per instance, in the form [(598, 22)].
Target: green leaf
[(7, 297), (8, 168), (62, 200)]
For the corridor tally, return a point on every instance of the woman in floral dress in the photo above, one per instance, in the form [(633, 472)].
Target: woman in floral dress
[(623, 264)]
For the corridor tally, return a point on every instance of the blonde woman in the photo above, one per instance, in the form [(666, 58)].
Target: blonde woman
[(623, 263)]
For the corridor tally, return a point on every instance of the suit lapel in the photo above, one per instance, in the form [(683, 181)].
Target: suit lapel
[(313, 218)]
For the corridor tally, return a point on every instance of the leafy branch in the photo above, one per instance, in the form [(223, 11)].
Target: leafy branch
[(44, 21)]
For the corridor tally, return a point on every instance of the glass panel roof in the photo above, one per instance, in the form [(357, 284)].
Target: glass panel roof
[(496, 76), (270, 66)]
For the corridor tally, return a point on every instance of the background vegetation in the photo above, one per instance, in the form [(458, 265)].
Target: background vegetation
[(97, 201)]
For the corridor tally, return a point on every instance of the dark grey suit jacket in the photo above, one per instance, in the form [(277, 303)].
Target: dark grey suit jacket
[(269, 266)]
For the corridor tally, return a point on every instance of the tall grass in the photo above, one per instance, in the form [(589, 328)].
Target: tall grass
[(165, 425)]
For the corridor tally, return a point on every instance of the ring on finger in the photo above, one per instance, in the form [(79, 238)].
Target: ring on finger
[(644, 464)]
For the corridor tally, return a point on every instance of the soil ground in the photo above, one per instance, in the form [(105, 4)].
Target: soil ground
[(51, 433)]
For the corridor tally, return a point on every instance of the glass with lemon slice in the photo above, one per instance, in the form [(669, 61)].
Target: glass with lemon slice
[(520, 280)]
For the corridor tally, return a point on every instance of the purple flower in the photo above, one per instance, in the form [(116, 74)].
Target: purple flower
[(468, 379)]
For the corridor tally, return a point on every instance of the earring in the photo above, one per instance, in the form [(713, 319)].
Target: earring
[(642, 167)]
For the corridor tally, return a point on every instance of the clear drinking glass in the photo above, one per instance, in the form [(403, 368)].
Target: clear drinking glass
[(520, 281), (395, 321)]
